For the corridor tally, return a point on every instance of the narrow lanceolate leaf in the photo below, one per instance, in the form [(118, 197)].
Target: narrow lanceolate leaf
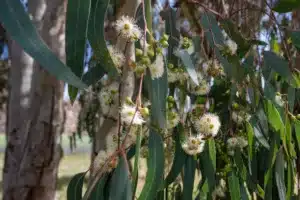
[(278, 64), (188, 63), (74, 191), (250, 133), (18, 25), (189, 177), (284, 6), (279, 175), (297, 132), (136, 159), (93, 75), (295, 36), (234, 186), (179, 157), (291, 98), (155, 173), (96, 36), (259, 135), (120, 185), (78, 12), (273, 115), (98, 191)]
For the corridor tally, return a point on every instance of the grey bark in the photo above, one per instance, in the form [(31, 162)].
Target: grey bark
[(35, 112)]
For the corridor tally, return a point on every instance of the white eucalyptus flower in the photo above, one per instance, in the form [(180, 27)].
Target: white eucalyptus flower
[(240, 116), (129, 112), (157, 67), (208, 125), (126, 27), (236, 143), (232, 46), (108, 97), (202, 89), (278, 100), (117, 57), (193, 145)]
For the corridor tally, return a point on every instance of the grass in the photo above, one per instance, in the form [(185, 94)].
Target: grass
[(69, 165)]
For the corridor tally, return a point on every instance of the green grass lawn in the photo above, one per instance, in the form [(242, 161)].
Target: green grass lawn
[(69, 165)]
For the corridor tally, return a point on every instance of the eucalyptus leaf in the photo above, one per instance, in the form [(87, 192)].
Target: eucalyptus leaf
[(20, 28), (74, 190)]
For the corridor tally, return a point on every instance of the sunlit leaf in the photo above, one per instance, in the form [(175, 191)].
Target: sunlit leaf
[(284, 6), (74, 190), (279, 175)]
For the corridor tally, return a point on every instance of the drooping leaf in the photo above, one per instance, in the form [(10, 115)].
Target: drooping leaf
[(284, 6), (120, 185), (297, 132), (96, 38), (295, 36), (189, 177), (250, 134), (93, 75), (278, 64), (77, 17), (179, 157), (258, 134), (18, 25), (273, 115), (189, 65), (155, 173), (98, 191), (279, 175), (291, 98), (74, 190), (136, 160), (234, 186)]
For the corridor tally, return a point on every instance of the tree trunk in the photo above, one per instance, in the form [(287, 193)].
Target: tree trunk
[(35, 112)]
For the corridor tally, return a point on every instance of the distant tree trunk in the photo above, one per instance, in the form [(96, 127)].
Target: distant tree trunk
[(35, 112)]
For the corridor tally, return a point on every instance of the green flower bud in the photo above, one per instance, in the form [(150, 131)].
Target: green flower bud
[(235, 106), (158, 50), (150, 53), (298, 116), (170, 99), (164, 44), (145, 60), (138, 52), (145, 112), (129, 101), (165, 37), (170, 66)]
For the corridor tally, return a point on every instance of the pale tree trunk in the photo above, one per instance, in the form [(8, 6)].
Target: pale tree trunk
[(108, 125), (35, 111)]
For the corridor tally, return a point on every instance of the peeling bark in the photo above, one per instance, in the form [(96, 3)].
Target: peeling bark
[(35, 112)]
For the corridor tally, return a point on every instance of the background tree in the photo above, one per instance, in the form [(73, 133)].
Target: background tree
[(35, 111)]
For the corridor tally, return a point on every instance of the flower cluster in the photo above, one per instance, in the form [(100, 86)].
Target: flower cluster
[(117, 57), (108, 98), (202, 89), (212, 68), (208, 125), (240, 116), (236, 143), (127, 28), (193, 144), (131, 114)]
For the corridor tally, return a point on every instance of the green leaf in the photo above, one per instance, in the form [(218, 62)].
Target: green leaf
[(136, 159), (250, 133), (155, 173), (189, 177), (297, 132), (290, 180), (98, 191), (291, 98), (120, 185), (179, 157), (279, 175), (18, 25), (278, 64), (189, 65), (273, 115), (96, 36), (207, 166), (295, 36), (74, 190), (93, 75), (259, 136), (77, 17), (234, 186), (284, 6)]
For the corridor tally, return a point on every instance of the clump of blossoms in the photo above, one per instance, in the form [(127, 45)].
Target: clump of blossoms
[(117, 57), (202, 89), (208, 125), (240, 116), (108, 98), (193, 145), (212, 68), (176, 74), (173, 119), (236, 143), (231, 46), (157, 67), (130, 114), (127, 28)]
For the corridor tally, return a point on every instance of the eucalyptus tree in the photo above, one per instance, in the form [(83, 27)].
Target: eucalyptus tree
[(210, 105)]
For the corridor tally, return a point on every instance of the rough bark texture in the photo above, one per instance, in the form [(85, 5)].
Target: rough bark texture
[(34, 117)]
